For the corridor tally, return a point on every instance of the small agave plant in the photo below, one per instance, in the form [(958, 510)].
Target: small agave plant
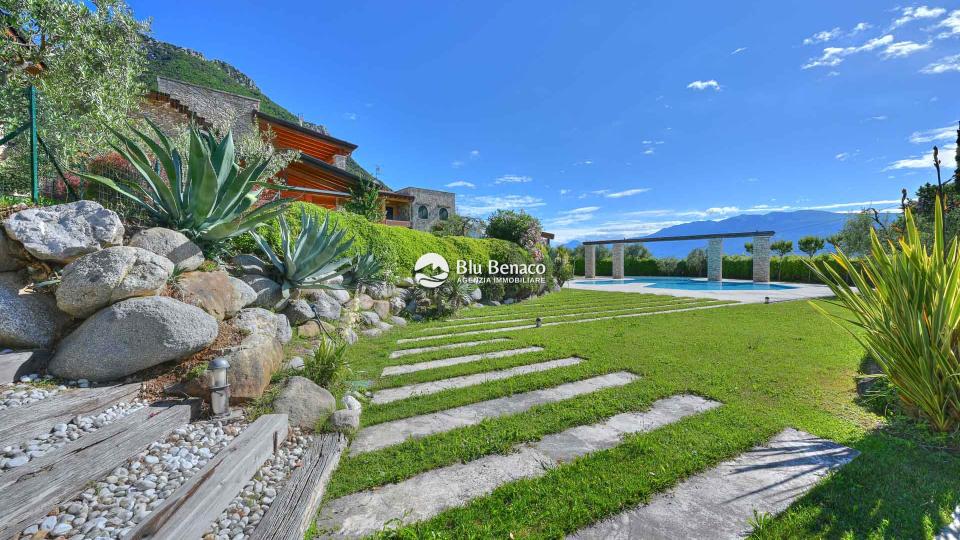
[(210, 200), (315, 257)]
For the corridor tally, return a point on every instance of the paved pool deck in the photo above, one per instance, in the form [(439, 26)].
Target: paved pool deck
[(800, 291)]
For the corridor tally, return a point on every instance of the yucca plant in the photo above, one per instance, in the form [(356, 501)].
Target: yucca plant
[(907, 304), (210, 200), (315, 257)]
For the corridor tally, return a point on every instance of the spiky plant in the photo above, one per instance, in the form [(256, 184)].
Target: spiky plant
[(907, 304), (209, 197)]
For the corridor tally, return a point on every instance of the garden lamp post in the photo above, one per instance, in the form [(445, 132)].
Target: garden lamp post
[(220, 390)]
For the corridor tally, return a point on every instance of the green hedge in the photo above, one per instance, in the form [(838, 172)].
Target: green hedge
[(397, 248), (734, 267)]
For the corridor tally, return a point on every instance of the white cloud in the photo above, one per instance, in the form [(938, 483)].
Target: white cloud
[(943, 65), (823, 36), (738, 50), (704, 85), (581, 210), (482, 205), (569, 217), (920, 12), (456, 164), (513, 179), (350, 115), (879, 118), (584, 162), (951, 23), (626, 193), (902, 49), (565, 191), (833, 56), (923, 161), (461, 183), (842, 156), (474, 154), (600, 192), (931, 135), (860, 27)]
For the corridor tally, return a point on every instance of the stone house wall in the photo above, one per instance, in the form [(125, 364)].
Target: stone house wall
[(221, 109), (434, 201)]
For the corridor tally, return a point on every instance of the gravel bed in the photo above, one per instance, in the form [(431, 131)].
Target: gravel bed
[(243, 514), (112, 506)]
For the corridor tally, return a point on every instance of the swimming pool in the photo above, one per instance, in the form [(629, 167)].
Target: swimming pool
[(688, 284)]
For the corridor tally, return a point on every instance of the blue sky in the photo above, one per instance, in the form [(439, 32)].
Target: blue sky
[(609, 119)]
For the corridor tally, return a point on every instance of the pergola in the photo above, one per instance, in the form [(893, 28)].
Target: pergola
[(761, 253)]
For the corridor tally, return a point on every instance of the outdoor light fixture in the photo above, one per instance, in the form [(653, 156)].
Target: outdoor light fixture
[(220, 390), (539, 322), (766, 299)]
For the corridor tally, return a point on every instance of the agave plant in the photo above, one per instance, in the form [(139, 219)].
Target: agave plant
[(907, 304), (315, 257), (211, 199)]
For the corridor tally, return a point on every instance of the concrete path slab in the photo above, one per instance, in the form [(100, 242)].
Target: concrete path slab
[(432, 492), (719, 503), (557, 323), (951, 531), (418, 350), (421, 389), (395, 432), (433, 364)]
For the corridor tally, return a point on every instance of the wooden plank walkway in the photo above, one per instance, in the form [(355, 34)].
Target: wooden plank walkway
[(188, 512), (37, 419), (295, 507), (27, 493)]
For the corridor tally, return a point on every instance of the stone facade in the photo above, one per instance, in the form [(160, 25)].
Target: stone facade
[(429, 206), (618, 261), (221, 109), (761, 259), (715, 259), (590, 261)]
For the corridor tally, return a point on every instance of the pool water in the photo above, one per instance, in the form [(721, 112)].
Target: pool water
[(689, 284)]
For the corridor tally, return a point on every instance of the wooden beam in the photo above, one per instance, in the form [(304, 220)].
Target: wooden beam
[(38, 418), (677, 238), (189, 511), (295, 507), (27, 493)]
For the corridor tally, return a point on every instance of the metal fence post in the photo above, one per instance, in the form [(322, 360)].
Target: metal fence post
[(34, 157)]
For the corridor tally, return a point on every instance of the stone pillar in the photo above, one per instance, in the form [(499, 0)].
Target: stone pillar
[(589, 261), (618, 261), (761, 259), (715, 259)]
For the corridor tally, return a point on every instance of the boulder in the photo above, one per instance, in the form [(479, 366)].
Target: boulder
[(380, 290), (384, 326), (218, 293), (298, 311), (64, 232), (397, 304), (326, 307), (269, 295), (397, 321), (509, 301), (306, 404), (351, 403), (11, 254), (369, 318), (345, 421), (251, 264), (381, 308), (110, 275), (476, 294), (133, 335), (348, 335), (252, 364), (371, 332), (340, 295), (406, 283), (30, 320), (254, 320), (364, 301), (174, 245), (311, 329)]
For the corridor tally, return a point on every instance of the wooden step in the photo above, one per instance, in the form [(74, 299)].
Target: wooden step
[(295, 507), (189, 511), (19, 363), (27, 493), (21, 424)]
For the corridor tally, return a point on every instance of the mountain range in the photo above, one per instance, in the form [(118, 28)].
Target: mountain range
[(787, 226)]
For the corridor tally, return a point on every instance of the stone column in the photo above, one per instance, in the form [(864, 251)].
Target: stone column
[(589, 261), (618, 261), (761, 259), (715, 259)]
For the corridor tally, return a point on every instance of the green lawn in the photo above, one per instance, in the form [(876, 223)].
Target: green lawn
[(772, 366)]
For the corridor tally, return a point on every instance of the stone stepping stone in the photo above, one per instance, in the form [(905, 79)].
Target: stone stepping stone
[(433, 364), (421, 389), (432, 492), (720, 502), (395, 432), (707, 305), (408, 352), (952, 530)]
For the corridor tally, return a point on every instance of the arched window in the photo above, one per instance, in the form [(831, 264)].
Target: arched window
[(422, 212), (443, 214)]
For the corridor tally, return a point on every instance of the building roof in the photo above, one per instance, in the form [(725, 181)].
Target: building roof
[(307, 131)]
